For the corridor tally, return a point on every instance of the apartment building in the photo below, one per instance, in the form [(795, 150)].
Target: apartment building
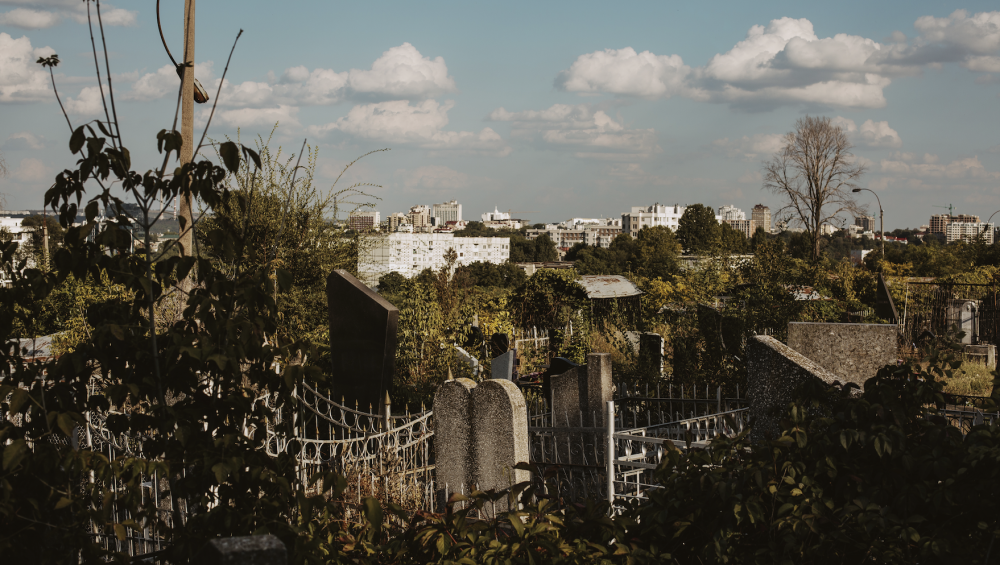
[(762, 215), (866, 223), (939, 222), (411, 253), (730, 212), (588, 234), (651, 216), (445, 212), (367, 220), (420, 218), (745, 226), (969, 231)]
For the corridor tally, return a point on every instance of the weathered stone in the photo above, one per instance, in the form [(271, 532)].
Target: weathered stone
[(774, 372), (885, 308), (985, 354), (362, 340), (503, 366), (579, 395), (247, 550), (853, 352), (465, 357), (499, 436), (651, 354), (453, 435)]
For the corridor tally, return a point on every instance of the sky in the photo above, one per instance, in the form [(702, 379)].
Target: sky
[(549, 110)]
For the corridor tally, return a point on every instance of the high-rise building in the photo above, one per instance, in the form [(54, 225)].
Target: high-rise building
[(866, 223), (450, 211), (762, 215), (969, 231), (939, 222), (364, 220), (420, 218), (745, 226), (730, 212), (410, 253), (651, 216)]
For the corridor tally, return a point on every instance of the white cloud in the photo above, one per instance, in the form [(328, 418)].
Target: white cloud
[(751, 147), (248, 117), (402, 72), (21, 78), (870, 134), (579, 127), (398, 122), (59, 9), (30, 19), (623, 71), (31, 170), (786, 63), (22, 140), (908, 165), (87, 103)]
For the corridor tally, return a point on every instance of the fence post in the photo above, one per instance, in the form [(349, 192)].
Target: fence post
[(610, 454)]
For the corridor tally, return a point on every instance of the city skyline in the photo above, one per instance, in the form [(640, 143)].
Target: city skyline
[(541, 108)]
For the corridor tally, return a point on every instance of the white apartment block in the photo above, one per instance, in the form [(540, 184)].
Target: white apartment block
[(969, 231), (450, 211), (730, 212), (651, 216), (411, 253), (600, 235)]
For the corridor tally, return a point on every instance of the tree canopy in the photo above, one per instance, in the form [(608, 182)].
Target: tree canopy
[(698, 230)]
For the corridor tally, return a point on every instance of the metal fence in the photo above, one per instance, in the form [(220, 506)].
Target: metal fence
[(938, 308)]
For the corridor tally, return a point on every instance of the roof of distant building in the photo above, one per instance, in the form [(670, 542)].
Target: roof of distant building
[(608, 286)]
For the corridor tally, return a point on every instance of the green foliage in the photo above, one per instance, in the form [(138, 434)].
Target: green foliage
[(549, 299), (698, 230), (482, 274), (653, 253), (878, 478)]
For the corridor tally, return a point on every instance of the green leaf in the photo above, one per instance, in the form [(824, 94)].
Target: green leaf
[(253, 155), (14, 453), (63, 503), (18, 399), (230, 156), (120, 532), (284, 279), (373, 513), (66, 423), (77, 140)]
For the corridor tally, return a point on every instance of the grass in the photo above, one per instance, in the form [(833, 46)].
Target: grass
[(973, 379)]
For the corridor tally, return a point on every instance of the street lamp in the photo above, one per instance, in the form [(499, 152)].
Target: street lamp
[(988, 223), (881, 224)]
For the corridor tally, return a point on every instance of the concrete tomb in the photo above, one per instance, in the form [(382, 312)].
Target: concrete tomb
[(774, 373), (362, 340), (580, 395), (481, 434), (853, 352)]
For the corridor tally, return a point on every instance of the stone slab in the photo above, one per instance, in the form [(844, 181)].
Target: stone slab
[(246, 550), (499, 436), (774, 372), (453, 435), (579, 396), (503, 366), (362, 340), (853, 352)]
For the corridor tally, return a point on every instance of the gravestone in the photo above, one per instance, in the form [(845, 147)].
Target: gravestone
[(481, 434), (774, 372), (362, 340), (580, 395), (885, 308), (499, 344), (651, 354), (453, 435), (245, 550), (853, 352), (503, 366), (465, 357)]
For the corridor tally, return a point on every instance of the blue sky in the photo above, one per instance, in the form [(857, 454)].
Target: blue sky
[(553, 110)]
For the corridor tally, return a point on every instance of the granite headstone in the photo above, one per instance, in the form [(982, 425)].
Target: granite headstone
[(362, 340)]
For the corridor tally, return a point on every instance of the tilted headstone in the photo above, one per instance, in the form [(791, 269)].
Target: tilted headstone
[(481, 434), (885, 308), (245, 550), (580, 395), (465, 357), (503, 366), (853, 352), (774, 373), (362, 340)]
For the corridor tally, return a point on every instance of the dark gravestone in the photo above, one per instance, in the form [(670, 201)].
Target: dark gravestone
[(499, 344), (362, 340), (248, 550), (885, 308), (503, 366)]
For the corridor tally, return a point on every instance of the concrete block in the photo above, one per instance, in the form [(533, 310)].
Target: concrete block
[(853, 352)]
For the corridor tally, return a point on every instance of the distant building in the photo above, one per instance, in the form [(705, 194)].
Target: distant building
[(367, 220), (393, 221), (858, 255), (747, 227), (730, 212), (495, 216), (411, 253), (450, 211), (651, 216), (762, 215), (969, 231), (828, 229), (420, 218), (866, 223), (939, 222), (599, 235)]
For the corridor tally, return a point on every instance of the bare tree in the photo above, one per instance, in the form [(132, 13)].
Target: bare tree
[(814, 173)]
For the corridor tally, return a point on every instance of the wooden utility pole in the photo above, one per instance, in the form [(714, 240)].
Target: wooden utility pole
[(186, 217)]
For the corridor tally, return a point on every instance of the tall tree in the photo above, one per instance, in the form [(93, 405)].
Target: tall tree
[(814, 173), (698, 230)]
